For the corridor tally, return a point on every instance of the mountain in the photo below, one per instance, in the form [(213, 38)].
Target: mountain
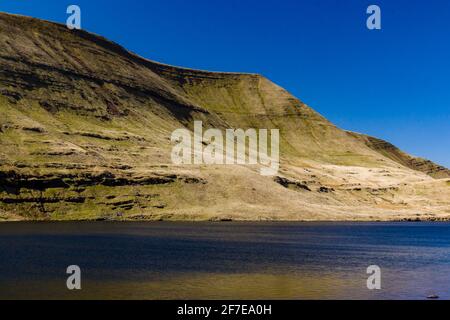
[(85, 133)]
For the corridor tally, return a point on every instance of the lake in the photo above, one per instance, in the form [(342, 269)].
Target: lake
[(226, 260)]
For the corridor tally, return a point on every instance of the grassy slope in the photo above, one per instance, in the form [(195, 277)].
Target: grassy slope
[(77, 108)]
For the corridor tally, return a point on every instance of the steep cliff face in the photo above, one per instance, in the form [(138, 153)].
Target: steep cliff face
[(392, 152), (85, 131)]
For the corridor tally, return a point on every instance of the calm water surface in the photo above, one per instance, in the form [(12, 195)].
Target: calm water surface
[(224, 260)]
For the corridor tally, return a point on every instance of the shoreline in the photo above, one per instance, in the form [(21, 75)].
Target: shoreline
[(229, 221)]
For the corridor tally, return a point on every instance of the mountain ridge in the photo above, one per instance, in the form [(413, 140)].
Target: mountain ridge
[(85, 132)]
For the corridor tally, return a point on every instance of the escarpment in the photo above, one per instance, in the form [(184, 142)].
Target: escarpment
[(85, 133)]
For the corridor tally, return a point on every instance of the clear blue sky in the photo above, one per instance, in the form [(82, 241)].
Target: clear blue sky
[(393, 83)]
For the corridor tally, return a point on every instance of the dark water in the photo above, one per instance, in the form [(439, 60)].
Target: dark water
[(224, 260)]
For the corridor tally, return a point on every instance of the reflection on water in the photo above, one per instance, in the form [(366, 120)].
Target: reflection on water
[(224, 260)]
